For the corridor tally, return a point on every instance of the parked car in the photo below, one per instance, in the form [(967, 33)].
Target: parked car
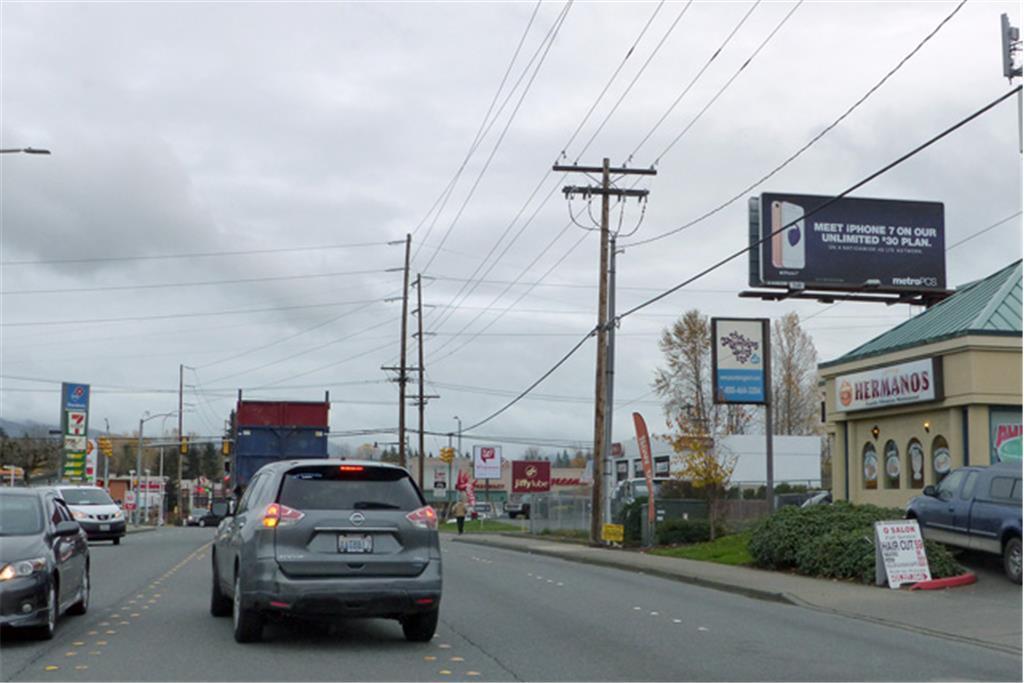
[(818, 498), (95, 511), (517, 506), (326, 539), (482, 511), (207, 517), (977, 508), (44, 561)]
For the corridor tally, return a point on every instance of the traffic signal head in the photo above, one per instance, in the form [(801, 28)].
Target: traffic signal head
[(225, 447), (106, 446), (183, 448)]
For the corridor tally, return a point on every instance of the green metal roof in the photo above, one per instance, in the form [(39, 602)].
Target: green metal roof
[(991, 306)]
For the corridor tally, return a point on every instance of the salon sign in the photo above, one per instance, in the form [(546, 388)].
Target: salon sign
[(914, 382)]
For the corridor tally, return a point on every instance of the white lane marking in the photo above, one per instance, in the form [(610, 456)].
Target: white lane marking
[(559, 584), (702, 628), (654, 614), (637, 609), (677, 621)]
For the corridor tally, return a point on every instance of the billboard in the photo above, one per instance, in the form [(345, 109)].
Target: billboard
[(487, 462), (845, 245), (739, 360), (531, 476)]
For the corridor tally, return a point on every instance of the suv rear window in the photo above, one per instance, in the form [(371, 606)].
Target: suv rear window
[(349, 487)]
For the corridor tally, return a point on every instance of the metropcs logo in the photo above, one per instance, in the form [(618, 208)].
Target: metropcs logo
[(912, 382)]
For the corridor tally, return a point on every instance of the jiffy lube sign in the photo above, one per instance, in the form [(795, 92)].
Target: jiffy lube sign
[(739, 355)]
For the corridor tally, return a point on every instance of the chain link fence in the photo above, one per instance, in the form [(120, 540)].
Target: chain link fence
[(554, 512)]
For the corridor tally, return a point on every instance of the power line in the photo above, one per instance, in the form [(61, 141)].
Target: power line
[(173, 316), (479, 137), (546, 45), (725, 87), (199, 254), (693, 81), (742, 193), (200, 283), (982, 231)]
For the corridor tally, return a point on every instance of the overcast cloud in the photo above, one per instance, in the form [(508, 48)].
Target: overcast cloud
[(204, 127)]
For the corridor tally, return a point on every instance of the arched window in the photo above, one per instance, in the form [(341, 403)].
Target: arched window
[(915, 464), (892, 465), (870, 466), (942, 461)]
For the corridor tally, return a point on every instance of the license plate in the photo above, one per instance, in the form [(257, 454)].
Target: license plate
[(353, 543), (104, 527)]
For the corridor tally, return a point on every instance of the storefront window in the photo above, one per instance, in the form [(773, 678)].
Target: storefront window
[(892, 465), (941, 459), (915, 464), (870, 467)]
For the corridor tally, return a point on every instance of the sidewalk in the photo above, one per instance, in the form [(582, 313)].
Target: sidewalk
[(987, 613)]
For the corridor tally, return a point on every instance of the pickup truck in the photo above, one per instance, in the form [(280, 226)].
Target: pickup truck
[(518, 506), (977, 508)]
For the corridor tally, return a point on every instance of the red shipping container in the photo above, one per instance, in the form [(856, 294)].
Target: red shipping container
[(283, 414)]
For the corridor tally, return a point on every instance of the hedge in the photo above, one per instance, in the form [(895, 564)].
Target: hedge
[(679, 531), (833, 541)]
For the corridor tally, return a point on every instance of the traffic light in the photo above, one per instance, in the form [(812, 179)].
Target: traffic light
[(225, 447), (183, 448), (106, 446), (448, 454)]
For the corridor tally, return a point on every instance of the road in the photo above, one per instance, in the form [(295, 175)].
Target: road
[(505, 616)]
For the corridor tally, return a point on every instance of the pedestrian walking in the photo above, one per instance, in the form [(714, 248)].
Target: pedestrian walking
[(459, 510)]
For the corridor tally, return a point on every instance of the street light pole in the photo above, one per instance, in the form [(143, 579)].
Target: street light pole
[(138, 472), (106, 461), (460, 434)]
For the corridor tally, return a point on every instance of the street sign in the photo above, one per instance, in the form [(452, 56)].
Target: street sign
[(440, 479), (129, 500), (487, 462), (899, 553)]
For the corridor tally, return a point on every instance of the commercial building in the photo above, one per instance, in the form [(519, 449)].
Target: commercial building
[(940, 391)]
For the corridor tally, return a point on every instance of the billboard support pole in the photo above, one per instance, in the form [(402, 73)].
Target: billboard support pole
[(768, 426)]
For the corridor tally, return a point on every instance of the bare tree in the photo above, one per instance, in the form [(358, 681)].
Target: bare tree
[(795, 395), (532, 453), (684, 384), (37, 456)]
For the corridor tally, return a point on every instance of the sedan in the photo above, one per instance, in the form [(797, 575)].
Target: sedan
[(44, 561)]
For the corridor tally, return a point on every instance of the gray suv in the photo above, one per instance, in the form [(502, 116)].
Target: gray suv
[(326, 539)]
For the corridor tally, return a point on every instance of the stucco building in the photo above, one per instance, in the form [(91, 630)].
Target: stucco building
[(940, 391)]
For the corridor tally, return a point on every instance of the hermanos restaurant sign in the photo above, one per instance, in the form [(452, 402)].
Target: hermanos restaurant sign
[(914, 382)]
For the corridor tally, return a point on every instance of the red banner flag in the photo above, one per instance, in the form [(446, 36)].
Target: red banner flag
[(643, 442)]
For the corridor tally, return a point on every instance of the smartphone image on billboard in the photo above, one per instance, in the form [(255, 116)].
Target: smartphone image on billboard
[(793, 240), (776, 223)]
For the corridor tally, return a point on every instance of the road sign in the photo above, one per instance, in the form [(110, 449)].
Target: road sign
[(487, 462), (129, 500), (614, 533), (440, 479)]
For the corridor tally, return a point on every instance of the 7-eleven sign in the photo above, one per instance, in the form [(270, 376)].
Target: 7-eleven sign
[(76, 423)]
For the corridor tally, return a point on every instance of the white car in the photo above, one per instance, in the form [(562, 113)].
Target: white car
[(94, 510)]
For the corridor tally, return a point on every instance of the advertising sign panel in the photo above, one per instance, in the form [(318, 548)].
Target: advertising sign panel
[(739, 358), (75, 426), (899, 243), (914, 382), (1005, 428), (531, 476), (440, 479), (899, 553), (487, 462)]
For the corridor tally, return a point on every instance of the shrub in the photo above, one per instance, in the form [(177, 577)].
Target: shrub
[(833, 541), (679, 531)]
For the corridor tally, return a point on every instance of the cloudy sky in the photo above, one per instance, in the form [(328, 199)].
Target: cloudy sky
[(226, 177)]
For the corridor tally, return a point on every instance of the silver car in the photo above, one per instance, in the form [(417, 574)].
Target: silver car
[(328, 539)]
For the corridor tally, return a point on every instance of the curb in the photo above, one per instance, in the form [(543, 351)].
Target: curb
[(756, 593), (139, 530), (949, 582)]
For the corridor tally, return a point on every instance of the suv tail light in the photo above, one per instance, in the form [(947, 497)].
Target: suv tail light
[(280, 515), (424, 518)]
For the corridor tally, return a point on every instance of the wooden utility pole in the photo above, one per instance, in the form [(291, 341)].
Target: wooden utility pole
[(600, 392), (181, 417), (402, 377)]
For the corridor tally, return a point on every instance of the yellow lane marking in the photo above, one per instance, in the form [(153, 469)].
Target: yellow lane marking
[(101, 642), (104, 623), (445, 672), (124, 623), (458, 659), (472, 673), (134, 614), (156, 595), (110, 632), (430, 658), (444, 646), (145, 607), (78, 643), (92, 633), (70, 654), (95, 652), (81, 667), (51, 667), (115, 616)]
